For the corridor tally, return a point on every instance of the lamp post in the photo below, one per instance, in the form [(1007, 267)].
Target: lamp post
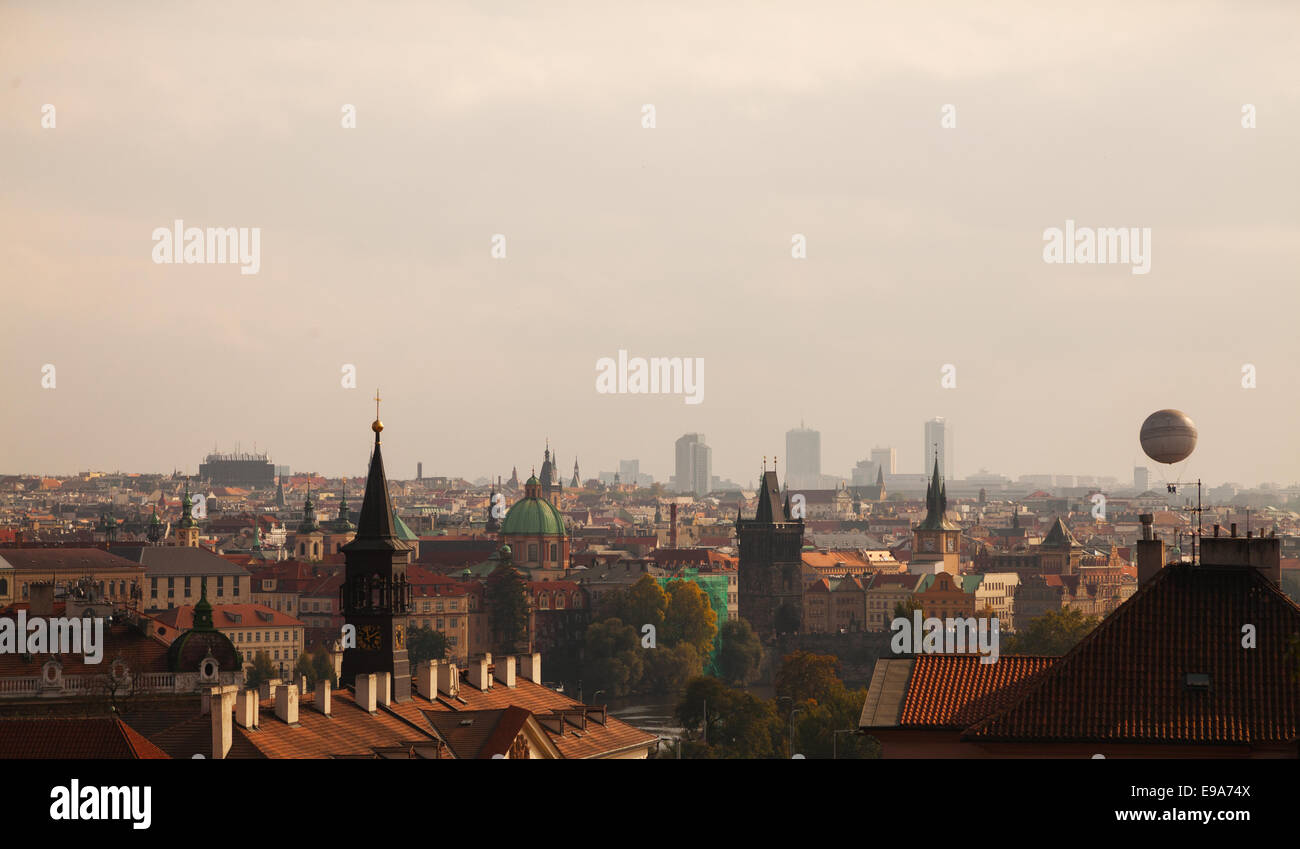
[(792, 713), (835, 738)]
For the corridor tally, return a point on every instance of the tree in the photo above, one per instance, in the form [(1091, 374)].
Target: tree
[(424, 643), (1053, 633), (506, 595), (304, 667), (739, 725), (324, 667), (741, 652), (903, 610), (816, 724), (669, 670), (805, 676), (689, 617), (261, 670), (643, 603), (613, 660)]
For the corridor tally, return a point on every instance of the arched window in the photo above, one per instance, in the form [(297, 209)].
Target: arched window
[(555, 555), (302, 548)]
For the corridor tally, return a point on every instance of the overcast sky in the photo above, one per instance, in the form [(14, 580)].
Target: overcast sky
[(924, 243)]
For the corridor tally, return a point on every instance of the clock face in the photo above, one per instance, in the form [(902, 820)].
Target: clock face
[(951, 544), (927, 544), (368, 638), (399, 636)]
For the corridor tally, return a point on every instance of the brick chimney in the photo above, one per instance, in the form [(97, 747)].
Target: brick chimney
[(1150, 551), (246, 709), (384, 688), (267, 688), (286, 704), (366, 687), (531, 667), (478, 672), (222, 704), (449, 677), (323, 696), (505, 670)]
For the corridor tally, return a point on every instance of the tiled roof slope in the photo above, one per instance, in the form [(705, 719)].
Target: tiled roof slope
[(953, 691), (97, 738), (1127, 680)]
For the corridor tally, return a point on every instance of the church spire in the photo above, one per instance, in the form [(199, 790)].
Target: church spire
[(375, 524)]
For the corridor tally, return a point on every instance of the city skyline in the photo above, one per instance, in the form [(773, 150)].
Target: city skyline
[(924, 290)]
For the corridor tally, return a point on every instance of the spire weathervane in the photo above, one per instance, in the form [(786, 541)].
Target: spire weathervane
[(378, 425)]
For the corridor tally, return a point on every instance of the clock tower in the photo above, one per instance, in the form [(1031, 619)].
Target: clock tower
[(375, 596), (936, 541)]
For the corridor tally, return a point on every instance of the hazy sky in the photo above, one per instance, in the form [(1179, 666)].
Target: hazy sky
[(924, 243)]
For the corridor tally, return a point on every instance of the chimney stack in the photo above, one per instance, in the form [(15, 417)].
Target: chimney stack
[(222, 705), (286, 704), (267, 688), (1261, 553), (449, 677), (531, 667), (384, 688), (366, 687), (505, 670), (323, 696), (426, 679), (1150, 551), (478, 672), (246, 709), (302, 685)]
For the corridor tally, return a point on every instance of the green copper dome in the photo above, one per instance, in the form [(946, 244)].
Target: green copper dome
[(533, 516)]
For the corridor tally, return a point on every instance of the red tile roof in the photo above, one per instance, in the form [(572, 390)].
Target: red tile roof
[(250, 616), (1128, 680), (83, 738), (954, 691)]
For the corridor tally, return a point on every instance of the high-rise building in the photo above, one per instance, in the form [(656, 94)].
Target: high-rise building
[(885, 459), (1141, 478), (701, 469), (803, 457), (684, 480), (629, 471), (936, 445)]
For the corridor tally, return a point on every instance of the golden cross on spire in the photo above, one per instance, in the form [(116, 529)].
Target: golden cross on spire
[(377, 399), (378, 425)]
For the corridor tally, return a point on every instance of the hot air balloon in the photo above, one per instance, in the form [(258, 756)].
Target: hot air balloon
[(1168, 436)]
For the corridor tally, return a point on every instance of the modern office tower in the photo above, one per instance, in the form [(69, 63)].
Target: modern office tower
[(1141, 478), (701, 469), (684, 480), (884, 458), (865, 472), (629, 471), (803, 457), (936, 445), (419, 471)]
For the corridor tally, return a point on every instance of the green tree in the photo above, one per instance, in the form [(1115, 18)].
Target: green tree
[(324, 667), (670, 669), (506, 596), (643, 603), (815, 727), (424, 643), (741, 652), (903, 610), (303, 666), (613, 663), (1053, 633), (806, 677), (689, 617), (739, 725), (261, 670)]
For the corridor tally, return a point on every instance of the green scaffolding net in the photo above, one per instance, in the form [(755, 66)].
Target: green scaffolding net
[(716, 587)]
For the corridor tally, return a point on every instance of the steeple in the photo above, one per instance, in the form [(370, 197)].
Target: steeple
[(576, 483), (375, 524), (936, 504), (279, 492), (308, 513), (493, 523), (187, 509)]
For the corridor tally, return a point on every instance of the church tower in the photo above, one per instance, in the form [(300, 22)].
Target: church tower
[(576, 483), (187, 530), (935, 540), (770, 571), (375, 596)]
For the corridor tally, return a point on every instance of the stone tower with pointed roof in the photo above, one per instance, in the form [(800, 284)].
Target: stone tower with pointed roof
[(576, 483), (187, 530), (375, 596), (770, 571), (1059, 553), (936, 541)]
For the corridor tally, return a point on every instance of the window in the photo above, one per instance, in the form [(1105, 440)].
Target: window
[(438, 606), (171, 582), (153, 587), (555, 552), (258, 638), (236, 589), (532, 552), (454, 620), (559, 601), (277, 654), (187, 584), (544, 601), (453, 604)]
